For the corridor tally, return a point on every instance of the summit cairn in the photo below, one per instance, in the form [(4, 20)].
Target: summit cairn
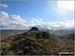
[(33, 28)]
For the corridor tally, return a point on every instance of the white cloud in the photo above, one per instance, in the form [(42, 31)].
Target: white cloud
[(4, 5), (16, 19), (36, 21), (64, 6), (16, 22), (3, 14)]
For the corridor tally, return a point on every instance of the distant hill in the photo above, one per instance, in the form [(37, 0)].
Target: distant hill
[(34, 42), (70, 35), (63, 32), (7, 33)]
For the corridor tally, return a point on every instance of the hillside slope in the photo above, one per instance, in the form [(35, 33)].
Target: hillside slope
[(36, 42)]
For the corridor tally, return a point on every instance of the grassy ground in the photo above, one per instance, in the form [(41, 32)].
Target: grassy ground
[(40, 42)]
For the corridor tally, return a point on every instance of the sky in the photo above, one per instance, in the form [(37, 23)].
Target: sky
[(46, 14)]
